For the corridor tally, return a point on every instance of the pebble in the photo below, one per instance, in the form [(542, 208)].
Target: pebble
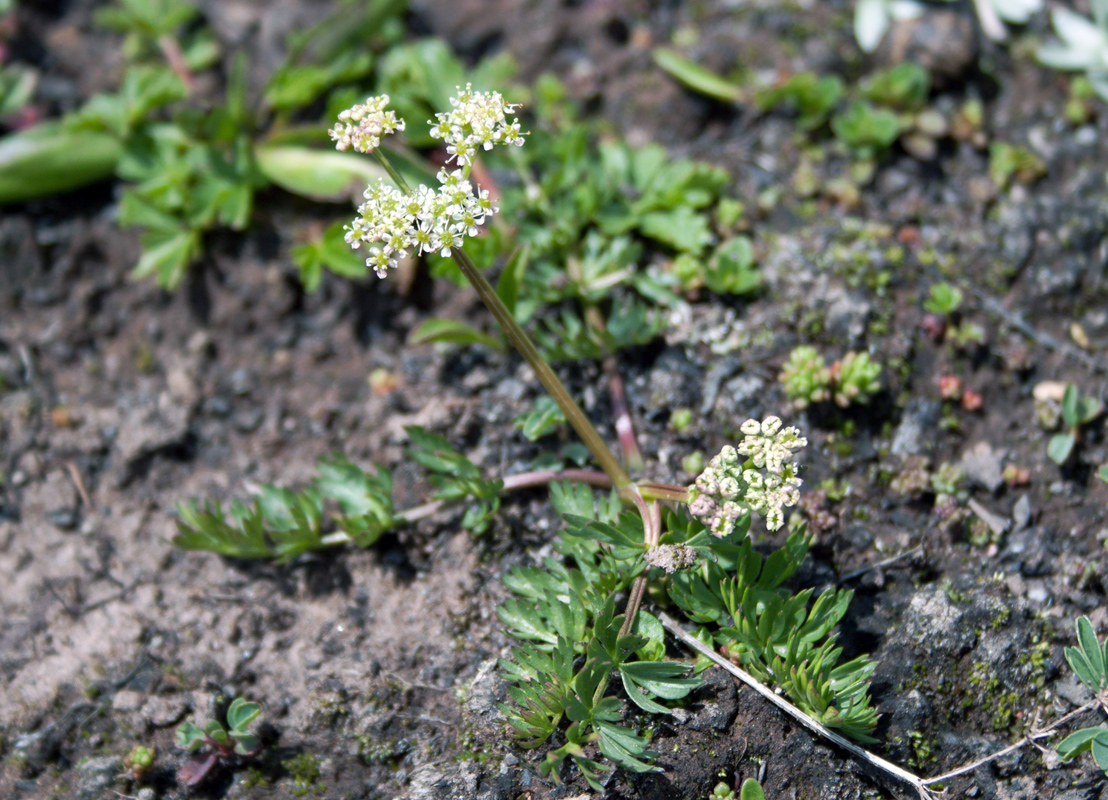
[(982, 466)]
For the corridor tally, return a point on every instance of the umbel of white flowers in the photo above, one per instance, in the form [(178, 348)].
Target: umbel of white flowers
[(391, 222), (764, 482)]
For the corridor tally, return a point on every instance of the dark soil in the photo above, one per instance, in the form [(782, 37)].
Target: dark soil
[(377, 668)]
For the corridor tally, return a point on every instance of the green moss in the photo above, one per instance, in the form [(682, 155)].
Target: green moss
[(303, 769)]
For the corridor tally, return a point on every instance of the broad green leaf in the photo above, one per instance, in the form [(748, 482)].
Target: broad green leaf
[(1100, 750), (1090, 646), (189, 737), (650, 627), (751, 790), (1078, 742), (696, 77), (241, 713), (325, 175), (682, 229), (245, 742), (511, 276), (452, 332), (1069, 406), (48, 159), (1060, 446)]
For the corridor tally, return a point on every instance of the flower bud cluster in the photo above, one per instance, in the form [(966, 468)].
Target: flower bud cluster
[(362, 126), (764, 483), (428, 221), (670, 557), (479, 119)]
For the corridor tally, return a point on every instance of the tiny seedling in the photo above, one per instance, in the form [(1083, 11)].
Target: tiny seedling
[(1077, 411), (944, 300), (1089, 661), (139, 761), (751, 790), (215, 742)]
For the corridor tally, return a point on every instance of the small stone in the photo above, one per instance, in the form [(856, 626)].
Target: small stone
[(1021, 513), (146, 793), (248, 420), (127, 701), (934, 625), (982, 466), (920, 418), (97, 776), (161, 712)]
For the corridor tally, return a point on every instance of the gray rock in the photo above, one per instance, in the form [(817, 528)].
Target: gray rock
[(674, 381), (914, 433), (935, 626), (96, 777), (847, 316), (160, 712), (1021, 513), (982, 466), (942, 42), (486, 691)]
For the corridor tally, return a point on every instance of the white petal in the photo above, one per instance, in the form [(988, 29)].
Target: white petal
[(987, 15), (1017, 10), (871, 20)]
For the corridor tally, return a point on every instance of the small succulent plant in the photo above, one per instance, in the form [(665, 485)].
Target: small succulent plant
[(214, 742), (855, 379), (806, 377)]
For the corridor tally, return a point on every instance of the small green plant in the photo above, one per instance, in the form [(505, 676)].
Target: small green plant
[(303, 768), (814, 98), (866, 130), (1089, 661), (1083, 44), (139, 761), (1077, 411), (944, 300), (751, 790), (283, 524), (217, 740), (807, 379), (855, 379), (1008, 163)]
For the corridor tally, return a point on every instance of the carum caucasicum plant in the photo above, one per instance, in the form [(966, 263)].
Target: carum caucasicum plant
[(591, 649), (591, 619)]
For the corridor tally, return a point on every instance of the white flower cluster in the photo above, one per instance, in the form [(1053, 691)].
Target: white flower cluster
[(765, 483), (670, 557), (362, 126), (479, 119), (391, 223)]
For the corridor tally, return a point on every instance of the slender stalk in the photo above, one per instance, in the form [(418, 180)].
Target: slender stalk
[(522, 342)]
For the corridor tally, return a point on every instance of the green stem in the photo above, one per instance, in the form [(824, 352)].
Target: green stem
[(522, 342), (557, 390)]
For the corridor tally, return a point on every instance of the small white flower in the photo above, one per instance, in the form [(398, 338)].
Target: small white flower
[(478, 119), (765, 483), (362, 126)]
